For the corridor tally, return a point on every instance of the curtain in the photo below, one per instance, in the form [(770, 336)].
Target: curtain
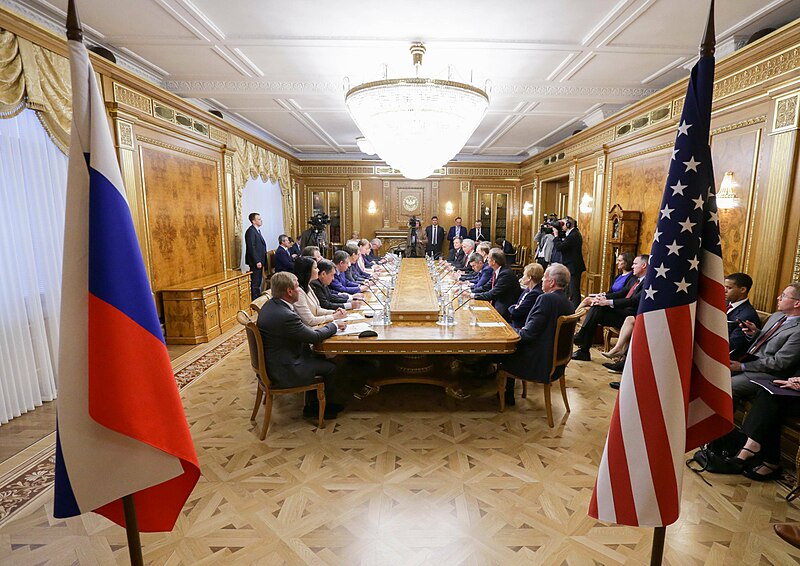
[(33, 180)]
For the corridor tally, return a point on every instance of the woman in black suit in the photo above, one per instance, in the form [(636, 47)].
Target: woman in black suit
[(532, 280)]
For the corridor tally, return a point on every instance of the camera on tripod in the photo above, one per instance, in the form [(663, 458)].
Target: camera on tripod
[(318, 222)]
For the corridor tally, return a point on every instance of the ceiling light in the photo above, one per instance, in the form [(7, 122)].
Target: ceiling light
[(416, 124)]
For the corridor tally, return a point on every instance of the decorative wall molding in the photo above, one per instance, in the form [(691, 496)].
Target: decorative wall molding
[(124, 134), (217, 134), (132, 99), (483, 172), (179, 149), (336, 170), (740, 124), (644, 120), (785, 113), (784, 62)]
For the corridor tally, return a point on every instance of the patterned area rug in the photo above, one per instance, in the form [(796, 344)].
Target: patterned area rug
[(25, 483)]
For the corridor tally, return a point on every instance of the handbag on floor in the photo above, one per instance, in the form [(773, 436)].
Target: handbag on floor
[(713, 457)]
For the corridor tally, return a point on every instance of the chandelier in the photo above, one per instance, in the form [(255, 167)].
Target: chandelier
[(416, 124)]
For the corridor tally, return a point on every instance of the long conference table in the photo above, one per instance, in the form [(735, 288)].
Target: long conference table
[(416, 338)]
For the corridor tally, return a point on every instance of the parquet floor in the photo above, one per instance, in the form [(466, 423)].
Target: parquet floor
[(409, 477)]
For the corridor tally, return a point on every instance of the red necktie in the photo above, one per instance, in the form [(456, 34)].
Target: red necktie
[(494, 274), (632, 289), (766, 336)]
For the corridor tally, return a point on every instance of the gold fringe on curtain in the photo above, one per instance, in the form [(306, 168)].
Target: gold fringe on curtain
[(34, 77), (251, 161)]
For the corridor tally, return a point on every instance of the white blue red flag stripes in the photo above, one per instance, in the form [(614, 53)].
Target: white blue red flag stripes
[(676, 385), (121, 428)]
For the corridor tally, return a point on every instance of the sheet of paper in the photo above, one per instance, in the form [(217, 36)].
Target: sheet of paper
[(353, 316), (356, 328), (491, 324), (480, 308)]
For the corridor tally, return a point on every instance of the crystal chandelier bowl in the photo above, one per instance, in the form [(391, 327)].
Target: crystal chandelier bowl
[(415, 124)]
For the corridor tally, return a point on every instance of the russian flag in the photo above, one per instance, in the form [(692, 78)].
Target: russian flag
[(121, 428)]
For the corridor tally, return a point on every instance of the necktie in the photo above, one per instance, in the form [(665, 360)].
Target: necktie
[(478, 237), (434, 235), (494, 276), (766, 336), (727, 307), (632, 289)]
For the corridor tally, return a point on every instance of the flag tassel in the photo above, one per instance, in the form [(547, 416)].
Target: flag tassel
[(132, 531), (657, 550)]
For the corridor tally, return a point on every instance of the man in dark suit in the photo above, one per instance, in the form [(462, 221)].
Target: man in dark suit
[(294, 248), (329, 299), (435, 234), (457, 257), (481, 271), (477, 234), (340, 283), (255, 253), (503, 290), (508, 249), (737, 288), (457, 231), (611, 309), (571, 248), (283, 257), (290, 361), (534, 355), (774, 351), (374, 246)]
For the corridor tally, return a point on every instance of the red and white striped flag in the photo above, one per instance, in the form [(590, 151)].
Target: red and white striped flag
[(676, 387)]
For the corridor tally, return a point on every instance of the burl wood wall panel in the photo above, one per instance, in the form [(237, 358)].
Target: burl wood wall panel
[(182, 199), (586, 185), (638, 184)]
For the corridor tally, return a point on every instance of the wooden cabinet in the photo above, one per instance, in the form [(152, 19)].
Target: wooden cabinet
[(202, 309)]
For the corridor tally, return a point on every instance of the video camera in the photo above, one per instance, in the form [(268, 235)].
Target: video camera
[(412, 222), (550, 221), (318, 221)]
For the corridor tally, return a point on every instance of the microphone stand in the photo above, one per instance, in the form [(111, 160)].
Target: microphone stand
[(462, 304)]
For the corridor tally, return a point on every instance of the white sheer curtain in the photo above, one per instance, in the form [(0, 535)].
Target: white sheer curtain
[(264, 198), (33, 179)]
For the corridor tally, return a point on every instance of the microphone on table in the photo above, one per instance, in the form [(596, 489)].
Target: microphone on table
[(461, 292), (464, 303)]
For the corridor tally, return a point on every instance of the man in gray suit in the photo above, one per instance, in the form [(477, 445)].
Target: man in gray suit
[(290, 361), (774, 351)]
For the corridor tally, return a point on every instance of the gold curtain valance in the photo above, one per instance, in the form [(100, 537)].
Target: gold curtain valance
[(251, 161), (34, 77)]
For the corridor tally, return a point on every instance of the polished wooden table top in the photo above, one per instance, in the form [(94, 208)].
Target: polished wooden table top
[(427, 337), (414, 298)]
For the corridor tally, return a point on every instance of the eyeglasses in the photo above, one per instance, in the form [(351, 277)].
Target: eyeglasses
[(785, 296)]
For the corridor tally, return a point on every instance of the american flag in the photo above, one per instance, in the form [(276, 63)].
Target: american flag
[(676, 386)]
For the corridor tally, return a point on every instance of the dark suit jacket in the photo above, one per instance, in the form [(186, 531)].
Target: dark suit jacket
[(430, 248), (510, 252), (286, 341), (283, 260), (457, 257), (571, 248), (340, 284), (628, 306), (504, 293), (327, 298), (739, 342), (294, 249), (484, 280), (451, 234), (255, 248), (473, 235), (534, 354), (518, 312)]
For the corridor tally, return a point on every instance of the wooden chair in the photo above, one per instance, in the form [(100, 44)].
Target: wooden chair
[(609, 333), (259, 301), (522, 260), (562, 354), (265, 389)]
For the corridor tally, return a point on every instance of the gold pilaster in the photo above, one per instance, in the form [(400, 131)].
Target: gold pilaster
[(356, 196), (233, 226), (464, 203), (571, 194), (386, 201)]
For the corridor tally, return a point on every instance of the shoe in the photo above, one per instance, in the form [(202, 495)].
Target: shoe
[(582, 355), (610, 356), (614, 385), (790, 532), (615, 367), (752, 473), (739, 464)]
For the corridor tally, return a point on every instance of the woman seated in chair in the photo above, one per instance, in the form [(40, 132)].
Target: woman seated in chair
[(532, 282), (623, 281), (307, 305), (759, 458)]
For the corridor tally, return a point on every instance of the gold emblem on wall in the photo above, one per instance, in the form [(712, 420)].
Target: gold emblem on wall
[(411, 203)]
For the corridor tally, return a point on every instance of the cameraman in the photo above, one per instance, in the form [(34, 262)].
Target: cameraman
[(417, 241), (544, 240), (571, 248)]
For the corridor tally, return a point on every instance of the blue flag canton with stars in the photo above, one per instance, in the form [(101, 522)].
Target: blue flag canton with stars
[(687, 222)]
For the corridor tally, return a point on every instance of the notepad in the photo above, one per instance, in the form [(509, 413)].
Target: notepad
[(480, 308), (353, 316), (356, 328), (491, 324)]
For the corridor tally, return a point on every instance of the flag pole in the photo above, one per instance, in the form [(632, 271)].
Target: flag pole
[(75, 33), (132, 528), (707, 47)]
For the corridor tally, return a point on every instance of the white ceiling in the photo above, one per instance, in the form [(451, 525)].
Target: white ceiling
[(277, 68)]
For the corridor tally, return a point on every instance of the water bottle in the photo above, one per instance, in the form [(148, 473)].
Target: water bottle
[(451, 314), (387, 314)]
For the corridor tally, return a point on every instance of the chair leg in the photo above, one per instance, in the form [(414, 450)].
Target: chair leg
[(267, 416), (259, 393), (524, 389), (564, 391), (501, 389), (321, 401), (548, 405)]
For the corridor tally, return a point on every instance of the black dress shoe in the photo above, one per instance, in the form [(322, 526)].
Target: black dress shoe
[(752, 473), (614, 385), (615, 367), (582, 355)]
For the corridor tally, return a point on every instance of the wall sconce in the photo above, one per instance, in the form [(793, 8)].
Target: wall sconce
[(487, 211), (726, 198), (527, 208), (448, 208), (371, 208), (586, 204)]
